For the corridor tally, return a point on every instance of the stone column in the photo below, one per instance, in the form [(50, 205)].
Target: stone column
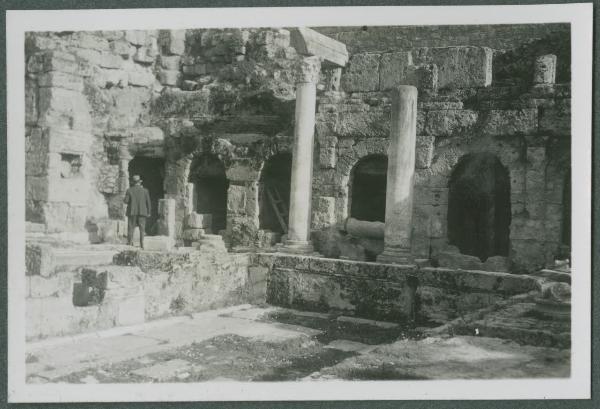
[(298, 236), (400, 174)]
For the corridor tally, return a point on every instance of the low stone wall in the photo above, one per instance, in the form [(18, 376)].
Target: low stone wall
[(384, 291), (137, 287)]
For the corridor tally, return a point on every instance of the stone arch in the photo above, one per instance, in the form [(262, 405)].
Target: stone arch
[(367, 188), (479, 206), (274, 192), (348, 157), (210, 185)]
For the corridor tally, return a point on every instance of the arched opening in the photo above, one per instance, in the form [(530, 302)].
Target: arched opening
[(275, 193), (479, 206), (207, 173), (152, 172), (368, 183)]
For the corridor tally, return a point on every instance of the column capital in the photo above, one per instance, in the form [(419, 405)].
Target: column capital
[(307, 70)]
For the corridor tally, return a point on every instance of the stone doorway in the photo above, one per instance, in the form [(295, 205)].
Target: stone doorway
[(368, 183), (207, 173), (152, 172), (274, 193), (479, 210)]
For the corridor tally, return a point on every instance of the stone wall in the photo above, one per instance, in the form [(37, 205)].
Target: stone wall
[(138, 287), (97, 99), (385, 291), (460, 110)]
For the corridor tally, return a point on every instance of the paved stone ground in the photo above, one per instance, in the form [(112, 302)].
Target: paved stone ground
[(259, 343)]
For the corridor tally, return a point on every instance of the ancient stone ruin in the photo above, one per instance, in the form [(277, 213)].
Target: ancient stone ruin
[(417, 173)]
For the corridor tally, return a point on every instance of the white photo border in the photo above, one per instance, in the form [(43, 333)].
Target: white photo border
[(578, 15)]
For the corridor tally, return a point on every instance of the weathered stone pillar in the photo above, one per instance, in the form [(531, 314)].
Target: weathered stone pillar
[(124, 159), (401, 168), (545, 69), (298, 237)]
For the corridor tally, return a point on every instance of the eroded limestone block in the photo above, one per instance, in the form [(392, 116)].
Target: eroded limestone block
[(361, 73), (510, 122), (545, 69), (556, 120), (463, 67), (170, 62), (450, 122), (61, 80), (136, 37), (424, 151), (169, 77), (323, 212), (140, 78), (199, 221), (396, 69)]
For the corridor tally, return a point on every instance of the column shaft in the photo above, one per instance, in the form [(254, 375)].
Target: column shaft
[(400, 176), (298, 236)]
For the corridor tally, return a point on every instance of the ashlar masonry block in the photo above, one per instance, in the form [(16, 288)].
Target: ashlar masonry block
[(362, 73), (396, 69)]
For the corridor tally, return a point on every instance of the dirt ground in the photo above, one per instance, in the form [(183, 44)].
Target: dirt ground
[(263, 343)]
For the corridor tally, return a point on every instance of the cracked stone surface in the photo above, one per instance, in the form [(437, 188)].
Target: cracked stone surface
[(254, 343)]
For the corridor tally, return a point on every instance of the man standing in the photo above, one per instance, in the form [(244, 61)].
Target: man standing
[(138, 204)]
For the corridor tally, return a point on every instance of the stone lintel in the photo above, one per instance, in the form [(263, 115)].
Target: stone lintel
[(309, 42)]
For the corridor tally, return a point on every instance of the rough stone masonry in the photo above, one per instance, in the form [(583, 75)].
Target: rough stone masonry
[(273, 139)]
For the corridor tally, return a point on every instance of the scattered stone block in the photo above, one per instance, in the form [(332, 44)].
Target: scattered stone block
[(360, 74), (158, 243), (199, 220), (545, 69)]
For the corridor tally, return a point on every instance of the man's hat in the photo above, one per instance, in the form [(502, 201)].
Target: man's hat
[(136, 179)]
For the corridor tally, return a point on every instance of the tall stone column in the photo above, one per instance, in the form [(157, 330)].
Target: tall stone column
[(400, 175), (298, 236)]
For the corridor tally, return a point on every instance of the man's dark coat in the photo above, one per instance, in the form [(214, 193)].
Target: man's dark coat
[(137, 199)]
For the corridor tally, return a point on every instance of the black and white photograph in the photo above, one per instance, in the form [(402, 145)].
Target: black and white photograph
[(353, 202)]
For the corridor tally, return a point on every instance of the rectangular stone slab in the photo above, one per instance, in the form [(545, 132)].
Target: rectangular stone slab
[(309, 42)]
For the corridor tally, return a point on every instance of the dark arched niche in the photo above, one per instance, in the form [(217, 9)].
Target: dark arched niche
[(368, 188), (207, 173), (275, 183), (479, 206), (152, 172)]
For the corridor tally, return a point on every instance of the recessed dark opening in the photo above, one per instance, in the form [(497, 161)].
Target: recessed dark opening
[(275, 193), (479, 206), (368, 187), (152, 172), (207, 173)]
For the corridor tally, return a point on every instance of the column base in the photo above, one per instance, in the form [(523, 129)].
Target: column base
[(395, 255), (296, 247)]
